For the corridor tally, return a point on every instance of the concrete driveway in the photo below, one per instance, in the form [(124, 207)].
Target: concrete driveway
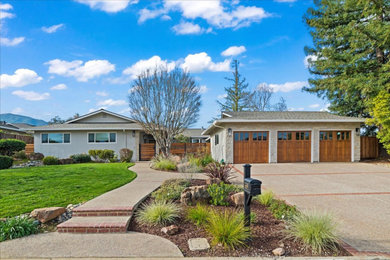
[(356, 194)]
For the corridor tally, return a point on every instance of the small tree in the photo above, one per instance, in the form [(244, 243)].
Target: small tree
[(56, 120), (260, 100), (281, 105), (164, 103)]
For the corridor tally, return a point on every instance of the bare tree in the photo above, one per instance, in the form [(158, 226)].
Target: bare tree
[(281, 105), (260, 99), (164, 103)]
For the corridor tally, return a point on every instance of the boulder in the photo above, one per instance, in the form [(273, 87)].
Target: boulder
[(213, 181), (195, 194), (46, 214), (170, 230), (176, 159), (238, 198), (278, 251)]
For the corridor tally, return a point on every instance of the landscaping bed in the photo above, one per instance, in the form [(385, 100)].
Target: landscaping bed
[(266, 232)]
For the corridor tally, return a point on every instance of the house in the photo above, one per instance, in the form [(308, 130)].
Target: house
[(100, 129), (279, 137), (17, 128)]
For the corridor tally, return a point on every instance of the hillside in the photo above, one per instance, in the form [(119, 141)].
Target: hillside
[(12, 118)]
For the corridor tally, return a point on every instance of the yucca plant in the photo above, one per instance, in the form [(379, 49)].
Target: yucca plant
[(219, 171), (199, 214), (158, 213), (17, 227), (316, 231), (227, 228), (266, 198)]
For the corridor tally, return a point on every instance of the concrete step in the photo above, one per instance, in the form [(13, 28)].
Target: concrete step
[(102, 212), (108, 224)]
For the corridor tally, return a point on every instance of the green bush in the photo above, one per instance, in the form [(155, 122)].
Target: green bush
[(281, 210), (10, 146), (266, 198), (198, 215), (50, 160), (5, 162), (21, 155), (170, 190), (81, 158), (17, 227), (162, 163), (94, 154), (105, 155), (65, 161), (126, 155), (219, 193), (206, 159), (194, 160), (316, 231), (227, 228), (36, 156), (158, 213)]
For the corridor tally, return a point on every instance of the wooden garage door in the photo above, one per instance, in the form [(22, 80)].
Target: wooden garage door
[(294, 146), (335, 146), (251, 147)]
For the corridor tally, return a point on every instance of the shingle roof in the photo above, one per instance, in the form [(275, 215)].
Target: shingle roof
[(64, 127), (194, 132)]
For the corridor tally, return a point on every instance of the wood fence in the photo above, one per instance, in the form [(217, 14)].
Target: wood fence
[(147, 151), (369, 147), (29, 148), (25, 138)]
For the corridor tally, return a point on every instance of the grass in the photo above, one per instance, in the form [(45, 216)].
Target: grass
[(164, 164), (170, 190), (266, 198), (316, 231), (22, 190), (199, 214), (158, 213)]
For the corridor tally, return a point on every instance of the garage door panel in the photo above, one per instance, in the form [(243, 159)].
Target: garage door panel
[(335, 146), (251, 147), (294, 146)]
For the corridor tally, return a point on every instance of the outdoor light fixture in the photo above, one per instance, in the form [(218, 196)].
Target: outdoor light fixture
[(230, 131), (133, 134)]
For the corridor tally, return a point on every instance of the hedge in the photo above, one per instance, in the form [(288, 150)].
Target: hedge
[(5, 162), (10, 146)]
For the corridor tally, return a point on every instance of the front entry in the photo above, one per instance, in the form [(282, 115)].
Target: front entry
[(294, 146), (335, 146), (251, 147)]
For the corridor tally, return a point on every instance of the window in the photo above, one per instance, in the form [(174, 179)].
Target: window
[(236, 136), (101, 137), (55, 138), (259, 136), (216, 140)]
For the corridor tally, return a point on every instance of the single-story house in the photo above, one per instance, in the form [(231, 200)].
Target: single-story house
[(19, 128), (100, 129), (278, 137)]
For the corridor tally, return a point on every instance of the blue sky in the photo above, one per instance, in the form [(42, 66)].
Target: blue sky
[(66, 57)]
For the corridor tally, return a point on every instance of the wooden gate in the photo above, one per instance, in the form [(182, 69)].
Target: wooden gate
[(251, 147), (369, 147), (147, 151), (335, 146), (294, 146), (29, 148)]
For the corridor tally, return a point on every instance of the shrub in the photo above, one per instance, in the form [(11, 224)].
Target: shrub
[(220, 171), (227, 228), (316, 231), (81, 158), (170, 190), (94, 154), (281, 210), (158, 213), (106, 154), (65, 161), (5, 162), (36, 156), (125, 155), (206, 159), (219, 193), (21, 155), (50, 160), (266, 198), (198, 215), (17, 227), (194, 160), (162, 163), (9, 146)]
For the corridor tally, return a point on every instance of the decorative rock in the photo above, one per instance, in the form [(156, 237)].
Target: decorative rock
[(70, 206), (46, 214), (3, 219), (238, 198), (176, 159), (170, 230), (278, 251), (194, 194), (213, 181), (198, 244)]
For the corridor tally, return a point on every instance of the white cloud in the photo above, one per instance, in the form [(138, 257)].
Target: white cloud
[(5, 7), (87, 100), (52, 29), (203, 89), (102, 93), (110, 102), (31, 95), (146, 14), (222, 96), (288, 86), (142, 65), (20, 78), (3, 11), (308, 59), (109, 6), (296, 109), (95, 109), (11, 42), (233, 51), (325, 108), (202, 61), (59, 87), (166, 17), (314, 106), (83, 73), (17, 110), (187, 28)]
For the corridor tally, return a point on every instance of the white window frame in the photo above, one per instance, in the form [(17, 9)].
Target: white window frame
[(63, 138), (94, 142)]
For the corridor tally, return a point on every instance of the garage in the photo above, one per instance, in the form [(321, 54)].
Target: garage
[(294, 146), (335, 146), (251, 147)]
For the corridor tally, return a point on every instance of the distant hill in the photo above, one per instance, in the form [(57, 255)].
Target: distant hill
[(12, 118)]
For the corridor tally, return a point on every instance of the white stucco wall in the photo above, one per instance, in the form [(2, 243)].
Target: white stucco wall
[(79, 144), (273, 128), (218, 151)]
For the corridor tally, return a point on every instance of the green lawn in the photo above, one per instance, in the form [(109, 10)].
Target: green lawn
[(22, 190)]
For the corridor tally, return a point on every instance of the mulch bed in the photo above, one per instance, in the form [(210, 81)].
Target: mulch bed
[(266, 235)]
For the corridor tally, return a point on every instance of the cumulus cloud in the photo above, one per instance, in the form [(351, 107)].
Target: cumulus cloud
[(222, 96), (20, 78), (17, 110), (188, 28), (314, 105), (296, 109), (146, 14), (286, 87), (31, 95), (203, 89), (202, 61), (53, 28), (59, 87), (325, 108), (111, 102), (82, 72), (109, 6), (4, 14), (102, 93), (234, 51), (308, 59), (142, 65), (11, 42)]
